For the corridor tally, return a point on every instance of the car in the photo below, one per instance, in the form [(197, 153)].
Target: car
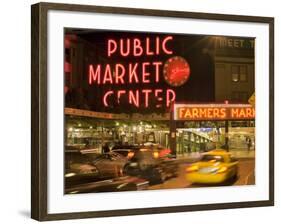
[(79, 168), (125, 150), (110, 164), (83, 166), (150, 162), (214, 167), (125, 183)]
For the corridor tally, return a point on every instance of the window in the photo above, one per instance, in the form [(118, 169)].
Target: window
[(239, 73), (243, 73), (237, 96), (235, 73)]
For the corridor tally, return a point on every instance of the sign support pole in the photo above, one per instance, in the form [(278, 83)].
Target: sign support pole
[(173, 130), (226, 135)]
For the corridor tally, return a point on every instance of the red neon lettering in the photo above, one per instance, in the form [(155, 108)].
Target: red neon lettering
[(148, 52), (157, 64), (107, 75), (122, 48), (145, 74), (170, 97), (105, 97), (146, 96), (164, 47), (157, 51), (119, 93), (132, 73), (94, 76), (134, 99), (137, 47), (111, 47), (119, 75), (159, 98)]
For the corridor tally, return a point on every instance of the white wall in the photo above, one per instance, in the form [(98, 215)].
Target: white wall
[(15, 111)]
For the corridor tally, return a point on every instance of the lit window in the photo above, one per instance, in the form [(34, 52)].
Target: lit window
[(235, 73), (239, 73)]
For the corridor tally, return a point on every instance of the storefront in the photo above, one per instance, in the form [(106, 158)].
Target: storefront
[(195, 128), (96, 129), (200, 127)]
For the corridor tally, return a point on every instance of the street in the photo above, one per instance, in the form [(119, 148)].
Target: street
[(245, 177)]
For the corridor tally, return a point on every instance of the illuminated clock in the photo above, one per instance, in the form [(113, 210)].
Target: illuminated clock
[(176, 71)]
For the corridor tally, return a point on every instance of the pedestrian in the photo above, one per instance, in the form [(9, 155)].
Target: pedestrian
[(105, 148), (249, 143)]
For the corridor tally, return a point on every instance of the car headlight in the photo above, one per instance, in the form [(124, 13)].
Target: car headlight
[(156, 155), (69, 174), (192, 168), (222, 169)]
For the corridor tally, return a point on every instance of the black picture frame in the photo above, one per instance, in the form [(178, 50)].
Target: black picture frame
[(39, 109)]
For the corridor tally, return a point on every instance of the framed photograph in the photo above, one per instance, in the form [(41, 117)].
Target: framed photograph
[(138, 111)]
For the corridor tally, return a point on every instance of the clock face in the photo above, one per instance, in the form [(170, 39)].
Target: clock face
[(176, 71)]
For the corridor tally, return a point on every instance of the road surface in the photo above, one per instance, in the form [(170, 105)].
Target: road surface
[(246, 176)]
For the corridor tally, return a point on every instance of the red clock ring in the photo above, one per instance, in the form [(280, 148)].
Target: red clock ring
[(176, 71)]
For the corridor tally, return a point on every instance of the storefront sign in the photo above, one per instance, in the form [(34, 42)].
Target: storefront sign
[(139, 82), (88, 113), (214, 112), (227, 42)]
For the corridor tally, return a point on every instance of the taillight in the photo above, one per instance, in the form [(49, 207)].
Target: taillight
[(130, 155)]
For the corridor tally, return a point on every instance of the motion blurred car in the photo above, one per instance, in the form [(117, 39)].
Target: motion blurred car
[(125, 183), (110, 164), (149, 162), (83, 166), (79, 168), (214, 167)]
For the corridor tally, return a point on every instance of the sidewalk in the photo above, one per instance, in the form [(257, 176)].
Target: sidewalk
[(243, 154)]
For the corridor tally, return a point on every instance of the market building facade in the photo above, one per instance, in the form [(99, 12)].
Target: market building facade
[(121, 87)]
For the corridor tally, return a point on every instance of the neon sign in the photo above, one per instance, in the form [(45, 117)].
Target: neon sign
[(214, 112), (126, 47), (145, 73)]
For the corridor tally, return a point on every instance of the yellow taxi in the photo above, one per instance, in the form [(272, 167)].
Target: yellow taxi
[(214, 167)]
